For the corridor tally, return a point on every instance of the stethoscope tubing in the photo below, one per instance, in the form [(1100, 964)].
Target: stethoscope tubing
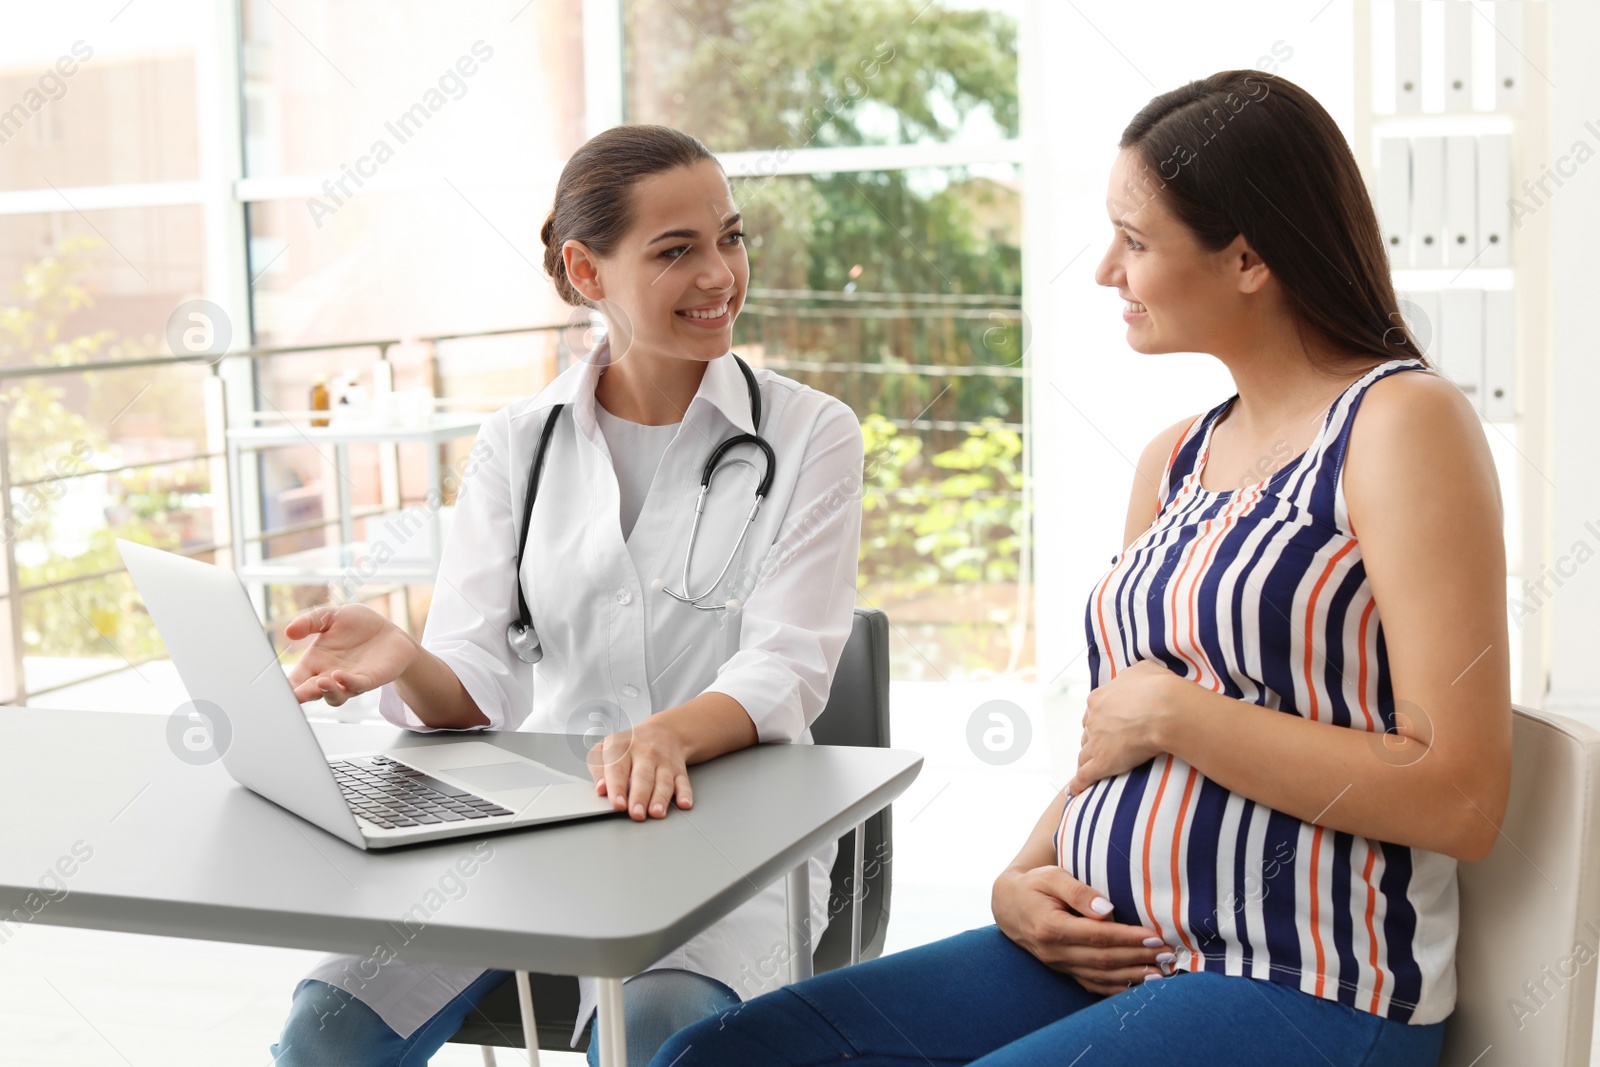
[(520, 635)]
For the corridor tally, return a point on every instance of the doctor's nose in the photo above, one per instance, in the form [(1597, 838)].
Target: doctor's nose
[(717, 275)]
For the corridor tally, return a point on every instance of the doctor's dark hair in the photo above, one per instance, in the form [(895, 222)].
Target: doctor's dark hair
[(593, 203), (1246, 152)]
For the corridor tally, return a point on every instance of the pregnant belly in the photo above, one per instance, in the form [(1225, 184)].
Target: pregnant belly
[(1163, 844)]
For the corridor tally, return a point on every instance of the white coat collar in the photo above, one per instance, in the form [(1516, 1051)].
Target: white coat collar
[(723, 388)]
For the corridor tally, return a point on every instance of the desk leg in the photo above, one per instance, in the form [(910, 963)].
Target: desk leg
[(611, 1032), (530, 1028), (857, 893), (799, 897)]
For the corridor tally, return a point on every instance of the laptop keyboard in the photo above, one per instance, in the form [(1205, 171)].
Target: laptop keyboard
[(391, 795)]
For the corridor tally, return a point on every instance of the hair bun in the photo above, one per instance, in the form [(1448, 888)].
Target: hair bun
[(593, 194)]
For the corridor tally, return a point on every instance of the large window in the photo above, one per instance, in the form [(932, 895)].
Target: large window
[(925, 344), (102, 236), (362, 181), (753, 74), (881, 273), (399, 160)]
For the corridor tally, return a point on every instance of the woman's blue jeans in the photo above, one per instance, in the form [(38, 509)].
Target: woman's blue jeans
[(329, 1027), (977, 998)]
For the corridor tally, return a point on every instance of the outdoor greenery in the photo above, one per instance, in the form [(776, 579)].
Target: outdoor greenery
[(50, 443), (901, 269), (787, 74), (776, 76), (898, 268), (925, 527)]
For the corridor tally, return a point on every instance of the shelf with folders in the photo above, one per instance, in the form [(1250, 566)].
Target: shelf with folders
[(1439, 130)]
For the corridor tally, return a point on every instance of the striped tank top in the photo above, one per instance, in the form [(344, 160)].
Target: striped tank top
[(1260, 593)]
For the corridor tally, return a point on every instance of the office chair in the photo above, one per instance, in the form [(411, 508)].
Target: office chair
[(1528, 905), (857, 714)]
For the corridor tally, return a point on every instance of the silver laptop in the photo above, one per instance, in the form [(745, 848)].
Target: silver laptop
[(371, 799)]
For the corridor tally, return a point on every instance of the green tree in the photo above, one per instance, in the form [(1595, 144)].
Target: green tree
[(893, 267), (773, 76), (756, 74)]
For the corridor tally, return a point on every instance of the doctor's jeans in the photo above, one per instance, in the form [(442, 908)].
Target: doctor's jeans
[(978, 998), (328, 1027)]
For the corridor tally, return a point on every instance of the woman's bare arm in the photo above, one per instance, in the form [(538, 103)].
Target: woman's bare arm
[(1424, 501)]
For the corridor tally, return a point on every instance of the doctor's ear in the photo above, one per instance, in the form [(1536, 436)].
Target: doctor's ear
[(583, 270)]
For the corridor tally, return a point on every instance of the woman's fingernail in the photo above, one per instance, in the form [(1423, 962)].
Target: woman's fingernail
[(1152, 978), (1101, 905), (1153, 942), (1166, 957), (638, 809)]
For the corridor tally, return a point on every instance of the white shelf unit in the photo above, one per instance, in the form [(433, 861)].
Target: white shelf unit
[(351, 560), (1473, 70)]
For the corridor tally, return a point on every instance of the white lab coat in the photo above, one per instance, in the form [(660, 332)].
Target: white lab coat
[(610, 641)]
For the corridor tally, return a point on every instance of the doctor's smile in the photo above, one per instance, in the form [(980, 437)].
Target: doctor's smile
[(709, 317)]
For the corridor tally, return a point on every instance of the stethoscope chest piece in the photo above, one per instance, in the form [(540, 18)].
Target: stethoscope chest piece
[(524, 642)]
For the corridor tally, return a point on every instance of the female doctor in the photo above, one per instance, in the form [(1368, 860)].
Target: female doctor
[(688, 661)]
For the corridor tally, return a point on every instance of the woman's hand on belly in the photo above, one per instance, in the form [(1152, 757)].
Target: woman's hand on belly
[(1122, 724), (1064, 924)]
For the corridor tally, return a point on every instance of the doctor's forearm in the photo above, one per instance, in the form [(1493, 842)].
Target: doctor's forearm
[(708, 726), (431, 689)]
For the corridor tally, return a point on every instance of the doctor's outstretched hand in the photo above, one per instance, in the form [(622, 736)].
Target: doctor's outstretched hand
[(353, 650)]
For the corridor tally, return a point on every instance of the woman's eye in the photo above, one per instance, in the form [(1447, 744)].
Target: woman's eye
[(736, 236), (1131, 243)]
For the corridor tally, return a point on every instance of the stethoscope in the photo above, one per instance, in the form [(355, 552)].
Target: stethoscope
[(519, 634)]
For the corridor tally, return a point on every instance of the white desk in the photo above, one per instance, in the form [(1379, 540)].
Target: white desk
[(155, 845)]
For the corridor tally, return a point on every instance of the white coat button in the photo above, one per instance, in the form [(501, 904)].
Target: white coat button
[(630, 691), (624, 597)]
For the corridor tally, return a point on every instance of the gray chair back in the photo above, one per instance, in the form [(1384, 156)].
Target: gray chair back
[(858, 715)]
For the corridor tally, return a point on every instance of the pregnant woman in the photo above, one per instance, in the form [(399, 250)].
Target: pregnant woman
[(1300, 718)]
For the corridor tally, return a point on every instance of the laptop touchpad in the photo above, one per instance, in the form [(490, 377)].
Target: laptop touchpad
[(504, 776)]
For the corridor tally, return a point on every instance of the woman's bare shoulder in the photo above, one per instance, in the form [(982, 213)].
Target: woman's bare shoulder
[(1416, 431)]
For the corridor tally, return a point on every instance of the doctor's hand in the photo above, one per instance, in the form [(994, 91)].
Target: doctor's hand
[(642, 768), (353, 650)]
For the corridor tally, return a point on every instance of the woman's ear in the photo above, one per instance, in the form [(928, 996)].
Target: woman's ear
[(583, 270), (1246, 263)]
